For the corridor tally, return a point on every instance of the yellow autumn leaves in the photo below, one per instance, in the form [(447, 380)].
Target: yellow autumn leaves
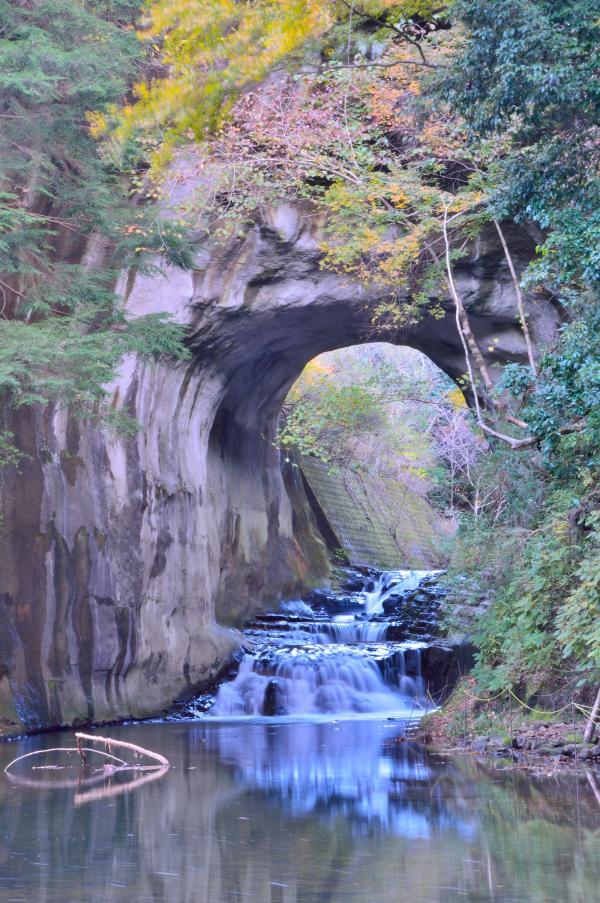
[(205, 52)]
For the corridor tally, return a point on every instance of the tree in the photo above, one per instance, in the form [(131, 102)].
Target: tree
[(211, 51), (527, 74), (66, 223)]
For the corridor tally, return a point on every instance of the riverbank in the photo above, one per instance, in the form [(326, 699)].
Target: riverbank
[(511, 731)]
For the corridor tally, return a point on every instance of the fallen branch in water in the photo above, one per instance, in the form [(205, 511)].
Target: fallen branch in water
[(121, 764), (122, 744), (119, 789)]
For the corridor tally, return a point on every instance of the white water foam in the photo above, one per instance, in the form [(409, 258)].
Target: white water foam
[(317, 680), (348, 630)]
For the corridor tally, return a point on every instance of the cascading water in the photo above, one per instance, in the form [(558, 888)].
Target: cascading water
[(391, 583), (356, 652), (346, 629)]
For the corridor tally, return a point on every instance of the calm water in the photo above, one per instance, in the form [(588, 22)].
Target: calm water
[(270, 812)]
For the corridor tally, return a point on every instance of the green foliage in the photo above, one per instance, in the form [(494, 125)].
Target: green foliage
[(34, 357), (63, 332), (520, 643), (373, 409), (525, 82), (547, 610), (315, 424), (322, 414), (213, 50), (578, 621), (59, 60), (539, 562), (528, 76), (516, 638), (9, 454), (567, 392), (540, 567)]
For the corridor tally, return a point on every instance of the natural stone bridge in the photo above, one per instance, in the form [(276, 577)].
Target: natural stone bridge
[(124, 560)]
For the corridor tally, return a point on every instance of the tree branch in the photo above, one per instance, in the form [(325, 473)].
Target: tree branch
[(519, 296)]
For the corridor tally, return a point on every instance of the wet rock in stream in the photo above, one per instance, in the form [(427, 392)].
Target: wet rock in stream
[(274, 700)]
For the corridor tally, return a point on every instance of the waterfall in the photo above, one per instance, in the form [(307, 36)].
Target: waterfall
[(347, 629), (312, 658)]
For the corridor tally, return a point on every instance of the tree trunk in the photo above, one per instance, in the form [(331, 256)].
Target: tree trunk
[(590, 727)]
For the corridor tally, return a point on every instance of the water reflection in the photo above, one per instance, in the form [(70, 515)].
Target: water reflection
[(360, 771), (301, 813)]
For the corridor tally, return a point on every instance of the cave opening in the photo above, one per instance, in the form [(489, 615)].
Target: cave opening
[(358, 446)]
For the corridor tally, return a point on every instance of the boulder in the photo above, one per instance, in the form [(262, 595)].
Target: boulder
[(443, 663)]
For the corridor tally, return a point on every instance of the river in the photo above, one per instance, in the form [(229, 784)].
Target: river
[(325, 799)]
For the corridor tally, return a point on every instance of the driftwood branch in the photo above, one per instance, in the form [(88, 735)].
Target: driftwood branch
[(143, 774), (63, 749), (122, 744), (161, 761)]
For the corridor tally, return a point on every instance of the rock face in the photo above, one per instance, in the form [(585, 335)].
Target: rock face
[(126, 563), (444, 663)]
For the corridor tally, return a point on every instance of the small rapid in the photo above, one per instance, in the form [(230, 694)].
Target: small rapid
[(353, 652)]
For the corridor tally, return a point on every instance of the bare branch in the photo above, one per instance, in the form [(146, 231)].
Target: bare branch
[(122, 744), (519, 296), (463, 328)]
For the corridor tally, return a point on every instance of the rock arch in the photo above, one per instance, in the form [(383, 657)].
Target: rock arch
[(123, 559)]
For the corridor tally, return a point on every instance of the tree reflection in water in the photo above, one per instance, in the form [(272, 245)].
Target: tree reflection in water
[(302, 813)]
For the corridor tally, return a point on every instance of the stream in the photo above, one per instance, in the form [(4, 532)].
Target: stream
[(296, 781)]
